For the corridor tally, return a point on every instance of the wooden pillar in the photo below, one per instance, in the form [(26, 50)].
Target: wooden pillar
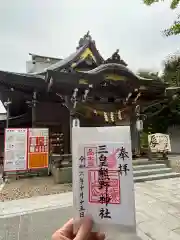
[(70, 108), (66, 132), (70, 131), (135, 134), (7, 104), (34, 102)]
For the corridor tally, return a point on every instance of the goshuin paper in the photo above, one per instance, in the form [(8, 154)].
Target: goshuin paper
[(103, 178)]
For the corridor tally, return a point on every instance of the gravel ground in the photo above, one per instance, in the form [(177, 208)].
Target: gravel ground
[(26, 188)]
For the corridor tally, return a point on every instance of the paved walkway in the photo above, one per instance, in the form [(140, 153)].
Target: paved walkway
[(157, 212)]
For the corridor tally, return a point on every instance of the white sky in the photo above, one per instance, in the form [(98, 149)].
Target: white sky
[(53, 27)]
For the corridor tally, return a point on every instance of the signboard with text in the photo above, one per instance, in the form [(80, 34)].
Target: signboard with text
[(15, 149), (26, 148), (159, 142), (38, 148)]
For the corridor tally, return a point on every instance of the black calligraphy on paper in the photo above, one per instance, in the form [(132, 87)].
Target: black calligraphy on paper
[(123, 154), (104, 197), (103, 180), (165, 141), (81, 162), (123, 168), (104, 213), (102, 149), (81, 195), (103, 160), (103, 177), (153, 141), (159, 142)]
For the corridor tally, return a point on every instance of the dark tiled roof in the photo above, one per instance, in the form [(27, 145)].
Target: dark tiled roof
[(22, 81)]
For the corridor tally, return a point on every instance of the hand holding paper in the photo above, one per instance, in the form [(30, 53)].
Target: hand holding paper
[(84, 232), (103, 178)]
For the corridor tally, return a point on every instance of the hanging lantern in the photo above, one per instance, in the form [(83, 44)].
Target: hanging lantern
[(139, 125), (95, 112), (75, 122)]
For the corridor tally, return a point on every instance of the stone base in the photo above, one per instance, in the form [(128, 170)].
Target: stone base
[(174, 163), (62, 175)]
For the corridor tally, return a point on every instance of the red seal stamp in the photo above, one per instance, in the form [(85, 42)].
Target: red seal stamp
[(104, 194), (90, 154)]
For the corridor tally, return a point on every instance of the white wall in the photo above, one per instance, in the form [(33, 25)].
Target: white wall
[(36, 67), (39, 63)]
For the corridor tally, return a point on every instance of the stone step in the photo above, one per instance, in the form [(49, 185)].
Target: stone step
[(148, 166), (148, 172), (156, 177), (143, 161)]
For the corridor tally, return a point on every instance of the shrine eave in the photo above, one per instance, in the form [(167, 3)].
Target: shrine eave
[(65, 83), (22, 82), (115, 67)]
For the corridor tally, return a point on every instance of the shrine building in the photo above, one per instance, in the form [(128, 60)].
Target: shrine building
[(84, 86)]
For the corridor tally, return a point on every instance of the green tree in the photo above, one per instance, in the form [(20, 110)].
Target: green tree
[(164, 112), (175, 27), (171, 73)]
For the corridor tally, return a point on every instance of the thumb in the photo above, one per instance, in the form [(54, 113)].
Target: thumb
[(85, 229)]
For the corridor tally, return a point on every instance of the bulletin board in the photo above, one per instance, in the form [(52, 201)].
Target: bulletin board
[(38, 148), (26, 149)]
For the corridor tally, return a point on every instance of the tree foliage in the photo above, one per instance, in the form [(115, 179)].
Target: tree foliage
[(174, 29), (171, 73), (162, 113), (173, 5)]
